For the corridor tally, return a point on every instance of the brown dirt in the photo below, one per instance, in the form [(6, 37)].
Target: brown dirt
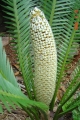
[(17, 114)]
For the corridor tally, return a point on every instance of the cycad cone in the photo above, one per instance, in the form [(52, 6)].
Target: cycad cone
[(45, 57)]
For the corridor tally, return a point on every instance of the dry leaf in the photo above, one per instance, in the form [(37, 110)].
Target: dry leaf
[(63, 88), (6, 40), (16, 73), (60, 94)]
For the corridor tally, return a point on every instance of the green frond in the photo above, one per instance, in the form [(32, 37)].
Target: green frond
[(10, 93), (68, 37), (74, 85), (35, 3), (64, 47), (5, 68), (68, 103), (70, 107), (10, 99), (56, 12), (48, 7), (18, 15), (11, 96)]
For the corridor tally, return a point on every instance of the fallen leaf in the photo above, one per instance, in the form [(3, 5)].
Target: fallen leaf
[(59, 94), (6, 40), (63, 88), (16, 73)]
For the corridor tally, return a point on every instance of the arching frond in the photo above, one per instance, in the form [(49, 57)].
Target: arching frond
[(64, 48), (18, 15), (68, 103), (5, 68), (10, 96), (68, 37), (74, 85), (56, 12), (10, 93), (71, 106)]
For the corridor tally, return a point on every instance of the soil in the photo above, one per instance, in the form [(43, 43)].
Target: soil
[(17, 114)]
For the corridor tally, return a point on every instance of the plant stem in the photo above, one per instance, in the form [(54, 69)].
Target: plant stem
[(77, 86), (52, 12), (63, 113), (65, 59), (29, 113), (18, 39), (35, 112), (57, 112)]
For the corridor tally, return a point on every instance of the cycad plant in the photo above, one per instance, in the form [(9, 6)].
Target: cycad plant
[(43, 33)]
